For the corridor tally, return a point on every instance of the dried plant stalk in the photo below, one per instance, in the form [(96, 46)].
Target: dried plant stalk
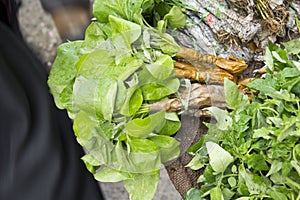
[(242, 83), (200, 96), (212, 75), (231, 64)]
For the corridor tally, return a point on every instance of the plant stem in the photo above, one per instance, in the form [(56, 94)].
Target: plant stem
[(228, 175), (271, 109), (260, 10), (290, 181)]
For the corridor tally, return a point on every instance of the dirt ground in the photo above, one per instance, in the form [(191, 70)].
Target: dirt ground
[(40, 33)]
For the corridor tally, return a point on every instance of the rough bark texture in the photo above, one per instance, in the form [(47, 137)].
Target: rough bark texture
[(183, 177)]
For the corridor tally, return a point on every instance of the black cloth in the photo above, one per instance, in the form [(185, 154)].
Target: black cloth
[(40, 158), (8, 10)]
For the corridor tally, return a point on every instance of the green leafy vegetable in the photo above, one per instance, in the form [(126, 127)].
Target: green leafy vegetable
[(172, 124), (143, 127), (128, 10), (252, 152), (216, 193), (193, 194), (63, 73), (143, 186), (111, 175), (292, 46), (175, 17), (161, 68), (219, 159), (106, 82), (168, 147)]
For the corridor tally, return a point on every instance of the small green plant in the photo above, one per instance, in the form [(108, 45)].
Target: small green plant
[(253, 151)]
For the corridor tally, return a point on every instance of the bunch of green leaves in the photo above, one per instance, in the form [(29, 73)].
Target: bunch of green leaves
[(105, 83), (253, 150), (153, 11)]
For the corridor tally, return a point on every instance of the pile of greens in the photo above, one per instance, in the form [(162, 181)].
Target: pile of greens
[(106, 82), (253, 151)]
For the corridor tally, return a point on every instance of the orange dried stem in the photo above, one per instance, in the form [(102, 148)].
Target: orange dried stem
[(231, 64)]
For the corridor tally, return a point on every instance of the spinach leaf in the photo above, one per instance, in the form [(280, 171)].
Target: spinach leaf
[(146, 184), (124, 33), (233, 98), (143, 127), (175, 18), (95, 37), (128, 10), (216, 193), (292, 46), (106, 82), (193, 194), (133, 101), (219, 159), (63, 73), (163, 67), (171, 126), (96, 97), (145, 155), (169, 147), (159, 90), (94, 138), (108, 174)]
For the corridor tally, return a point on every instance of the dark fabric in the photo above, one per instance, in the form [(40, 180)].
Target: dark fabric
[(8, 15), (50, 5), (40, 158)]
